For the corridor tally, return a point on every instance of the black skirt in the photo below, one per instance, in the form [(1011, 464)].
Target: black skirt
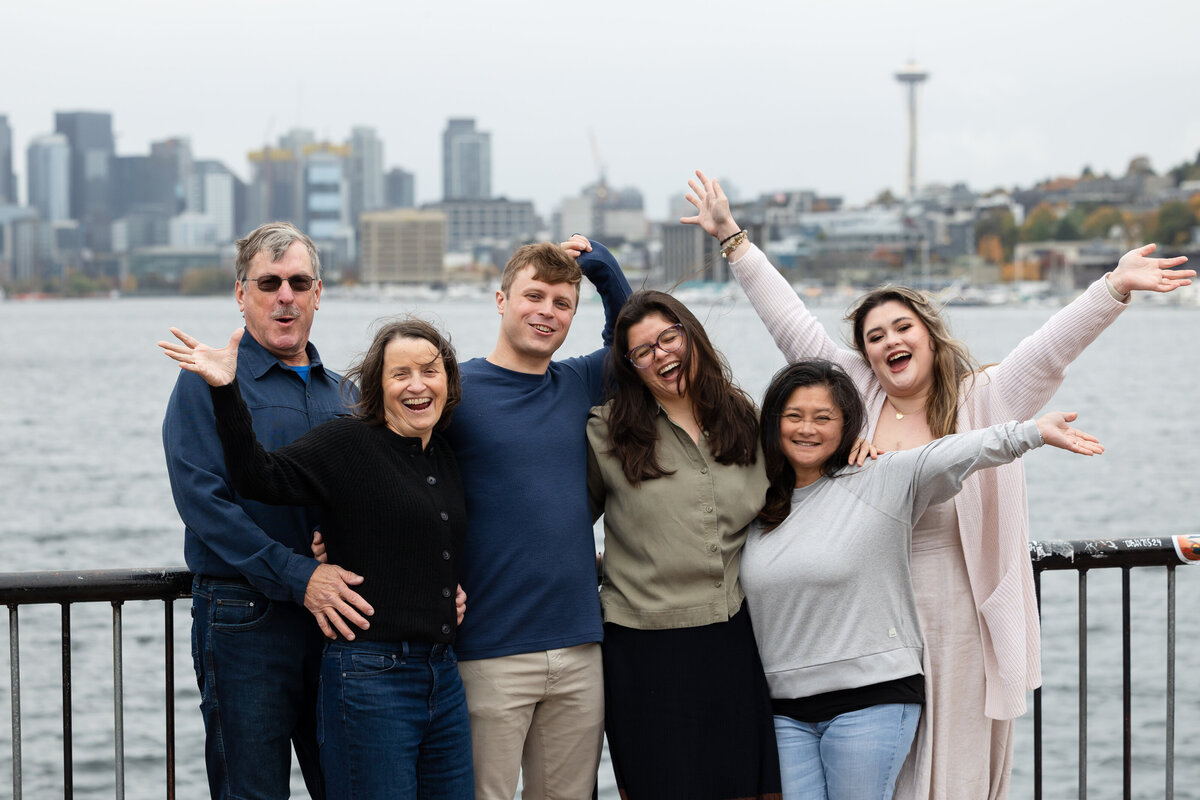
[(687, 713)]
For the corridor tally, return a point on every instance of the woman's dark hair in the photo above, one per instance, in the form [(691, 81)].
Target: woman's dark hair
[(724, 411), (782, 478), (368, 371), (952, 362)]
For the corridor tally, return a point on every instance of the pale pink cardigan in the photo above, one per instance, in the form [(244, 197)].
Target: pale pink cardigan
[(993, 515)]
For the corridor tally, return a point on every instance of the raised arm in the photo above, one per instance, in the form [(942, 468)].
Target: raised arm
[(796, 331), (1030, 375), (324, 589), (602, 269), (277, 477), (206, 503), (605, 274)]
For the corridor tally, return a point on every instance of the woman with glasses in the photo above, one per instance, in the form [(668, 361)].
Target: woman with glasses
[(676, 469)]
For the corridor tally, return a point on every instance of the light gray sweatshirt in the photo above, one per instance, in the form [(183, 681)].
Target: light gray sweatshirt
[(829, 590)]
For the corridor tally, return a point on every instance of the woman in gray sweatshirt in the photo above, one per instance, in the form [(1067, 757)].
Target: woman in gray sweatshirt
[(826, 575)]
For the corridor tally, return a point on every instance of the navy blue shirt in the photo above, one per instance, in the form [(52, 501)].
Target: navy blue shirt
[(226, 535), (529, 563)]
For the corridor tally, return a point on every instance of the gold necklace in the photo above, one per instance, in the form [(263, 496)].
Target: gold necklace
[(900, 414)]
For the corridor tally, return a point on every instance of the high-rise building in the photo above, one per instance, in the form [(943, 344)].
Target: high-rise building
[(326, 201), (93, 149), (144, 184), (466, 161), (8, 181), (402, 246), (48, 176), (176, 157), (400, 189), (498, 221), (215, 191), (364, 172)]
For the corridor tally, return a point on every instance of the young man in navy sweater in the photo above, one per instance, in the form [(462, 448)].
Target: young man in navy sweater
[(529, 647)]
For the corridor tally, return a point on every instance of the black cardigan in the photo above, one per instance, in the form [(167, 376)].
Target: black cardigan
[(390, 512)]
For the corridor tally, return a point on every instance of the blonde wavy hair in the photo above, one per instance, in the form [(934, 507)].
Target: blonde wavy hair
[(952, 362)]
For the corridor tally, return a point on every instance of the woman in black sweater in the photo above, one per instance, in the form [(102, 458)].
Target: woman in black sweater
[(392, 716)]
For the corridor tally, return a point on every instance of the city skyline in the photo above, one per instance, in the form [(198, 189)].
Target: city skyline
[(778, 96)]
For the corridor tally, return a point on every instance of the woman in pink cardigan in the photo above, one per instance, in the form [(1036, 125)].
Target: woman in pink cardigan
[(970, 559)]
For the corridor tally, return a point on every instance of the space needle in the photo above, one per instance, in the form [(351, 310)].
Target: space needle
[(911, 75)]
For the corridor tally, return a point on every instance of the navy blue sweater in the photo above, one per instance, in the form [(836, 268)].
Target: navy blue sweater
[(529, 568)]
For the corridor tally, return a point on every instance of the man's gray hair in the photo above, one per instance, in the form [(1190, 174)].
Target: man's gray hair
[(275, 238)]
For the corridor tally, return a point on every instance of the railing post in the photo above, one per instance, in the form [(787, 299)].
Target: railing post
[(118, 703), (1083, 681), (1037, 705), (14, 682), (170, 700), (1126, 689), (1170, 787), (68, 765)]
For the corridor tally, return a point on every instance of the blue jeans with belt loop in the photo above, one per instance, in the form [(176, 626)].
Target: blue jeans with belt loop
[(392, 722), (257, 664)]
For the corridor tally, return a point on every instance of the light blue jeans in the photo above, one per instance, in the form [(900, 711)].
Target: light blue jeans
[(854, 756)]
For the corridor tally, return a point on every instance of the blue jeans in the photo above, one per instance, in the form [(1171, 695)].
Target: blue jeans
[(854, 756), (392, 721), (257, 665)]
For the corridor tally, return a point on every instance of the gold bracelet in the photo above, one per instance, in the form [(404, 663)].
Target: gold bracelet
[(734, 242)]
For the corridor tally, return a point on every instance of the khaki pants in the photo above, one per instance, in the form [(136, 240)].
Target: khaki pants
[(540, 715)]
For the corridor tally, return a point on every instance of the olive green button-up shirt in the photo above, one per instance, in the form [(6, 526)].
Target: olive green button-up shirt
[(672, 545)]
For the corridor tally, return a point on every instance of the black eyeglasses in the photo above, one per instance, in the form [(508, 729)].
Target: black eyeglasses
[(271, 283), (668, 341)]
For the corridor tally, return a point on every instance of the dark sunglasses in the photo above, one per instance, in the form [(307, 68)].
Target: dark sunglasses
[(271, 283)]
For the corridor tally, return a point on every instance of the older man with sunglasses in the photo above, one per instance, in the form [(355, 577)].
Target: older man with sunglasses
[(256, 648)]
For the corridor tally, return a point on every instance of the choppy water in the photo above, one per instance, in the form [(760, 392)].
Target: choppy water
[(83, 486)]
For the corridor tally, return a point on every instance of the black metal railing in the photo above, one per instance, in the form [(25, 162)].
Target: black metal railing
[(65, 589), (1124, 554), (170, 584)]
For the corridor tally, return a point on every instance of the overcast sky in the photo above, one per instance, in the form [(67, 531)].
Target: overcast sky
[(771, 95)]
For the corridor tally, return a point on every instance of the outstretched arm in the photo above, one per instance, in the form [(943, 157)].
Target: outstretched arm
[(1136, 271), (942, 465), (1030, 375)]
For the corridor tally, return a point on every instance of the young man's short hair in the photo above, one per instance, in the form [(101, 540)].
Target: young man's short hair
[(551, 264)]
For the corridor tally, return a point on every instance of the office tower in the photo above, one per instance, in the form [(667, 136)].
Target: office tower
[(90, 135), (495, 222), (402, 246), (326, 205), (175, 158), (364, 172), (910, 76), (48, 176), (213, 190), (400, 189), (466, 162), (8, 181), (144, 184)]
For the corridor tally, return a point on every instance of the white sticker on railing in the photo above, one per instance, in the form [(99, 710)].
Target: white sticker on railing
[(1188, 548)]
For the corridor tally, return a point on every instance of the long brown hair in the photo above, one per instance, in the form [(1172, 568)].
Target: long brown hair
[(782, 477), (724, 411), (368, 371), (952, 362)]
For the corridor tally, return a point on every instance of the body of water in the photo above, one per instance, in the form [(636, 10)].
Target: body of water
[(83, 485)]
